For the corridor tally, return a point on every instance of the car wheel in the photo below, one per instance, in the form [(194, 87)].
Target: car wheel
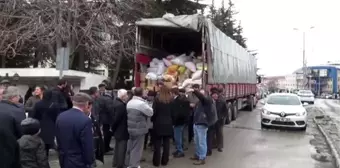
[(235, 110), (311, 102), (229, 114)]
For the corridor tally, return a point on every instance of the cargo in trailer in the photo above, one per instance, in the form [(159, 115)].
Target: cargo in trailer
[(200, 49)]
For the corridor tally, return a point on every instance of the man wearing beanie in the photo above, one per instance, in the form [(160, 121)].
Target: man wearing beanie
[(32, 148)]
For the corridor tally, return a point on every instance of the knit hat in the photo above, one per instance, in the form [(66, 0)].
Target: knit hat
[(30, 126)]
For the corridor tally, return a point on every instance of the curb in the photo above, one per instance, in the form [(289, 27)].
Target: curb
[(330, 144)]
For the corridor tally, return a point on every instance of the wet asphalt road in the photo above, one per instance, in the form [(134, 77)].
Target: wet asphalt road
[(247, 146)]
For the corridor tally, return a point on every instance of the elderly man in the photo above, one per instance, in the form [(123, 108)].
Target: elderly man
[(10, 104), (74, 134), (119, 128), (138, 112)]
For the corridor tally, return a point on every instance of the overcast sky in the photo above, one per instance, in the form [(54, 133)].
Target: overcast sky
[(268, 26)]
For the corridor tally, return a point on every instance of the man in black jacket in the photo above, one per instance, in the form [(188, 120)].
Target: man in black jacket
[(119, 128), (58, 95), (106, 114), (181, 107)]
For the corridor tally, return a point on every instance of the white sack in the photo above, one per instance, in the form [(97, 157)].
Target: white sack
[(170, 57), (153, 70), (180, 60), (160, 69), (197, 75), (186, 83), (151, 76), (153, 65), (191, 66), (155, 60), (167, 62), (197, 81)]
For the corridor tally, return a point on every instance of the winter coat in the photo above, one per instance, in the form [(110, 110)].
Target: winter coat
[(10, 124), (182, 110), (9, 148), (75, 139), (119, 124), (13, 109), (32, 152), (29, 106), (98, 140), (162, 118), (139, 111), (46, 111), (59, 99), (205, 112), (106, 110), (221, 109)]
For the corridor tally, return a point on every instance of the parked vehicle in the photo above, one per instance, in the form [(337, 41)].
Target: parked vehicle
[(284, 110), (226, 65), (306, 96)]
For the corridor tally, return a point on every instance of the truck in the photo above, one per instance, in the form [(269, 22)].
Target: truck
[(229, 67)]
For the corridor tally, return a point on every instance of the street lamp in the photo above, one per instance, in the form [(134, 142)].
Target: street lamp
[(304, 61)]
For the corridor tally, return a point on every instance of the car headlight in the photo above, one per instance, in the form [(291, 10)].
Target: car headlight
[(301, 113), (264, 111)]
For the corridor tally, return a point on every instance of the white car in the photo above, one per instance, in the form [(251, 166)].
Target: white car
[(306, 96), (283, 110)]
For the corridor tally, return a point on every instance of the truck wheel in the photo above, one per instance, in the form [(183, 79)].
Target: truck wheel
[(251, 103), (235, 110), (229, 114)]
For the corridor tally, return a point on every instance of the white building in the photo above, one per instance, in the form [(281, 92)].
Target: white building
[(50, 76), (288, 82)]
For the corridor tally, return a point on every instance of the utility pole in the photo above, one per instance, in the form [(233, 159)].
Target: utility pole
[(304, 60)]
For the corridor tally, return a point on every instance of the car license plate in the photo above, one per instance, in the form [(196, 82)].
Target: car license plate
[(282, 119)]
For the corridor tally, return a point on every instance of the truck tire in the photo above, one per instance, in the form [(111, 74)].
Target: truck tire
[(250, 106), (229, 114), (235, 110)]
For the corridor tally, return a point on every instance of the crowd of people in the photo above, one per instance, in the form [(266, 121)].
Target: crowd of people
[(80, 126)]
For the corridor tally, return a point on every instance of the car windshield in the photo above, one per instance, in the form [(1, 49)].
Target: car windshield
[(306, 92), (283, 100)]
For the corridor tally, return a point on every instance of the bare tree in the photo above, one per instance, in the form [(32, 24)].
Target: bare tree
[(96, 31)]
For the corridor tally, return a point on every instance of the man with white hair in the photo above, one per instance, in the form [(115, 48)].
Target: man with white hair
[(10, 104), (119, 128)]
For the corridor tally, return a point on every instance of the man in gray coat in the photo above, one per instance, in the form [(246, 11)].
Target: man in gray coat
[(138, 113)]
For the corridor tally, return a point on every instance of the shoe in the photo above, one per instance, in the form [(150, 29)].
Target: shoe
[(199, 162), (194, 158), (175, 153), (209, 153), (220, 149), (179, 155)]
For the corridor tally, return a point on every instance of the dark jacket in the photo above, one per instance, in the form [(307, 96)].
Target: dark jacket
[(105, 105), (203, 113), (9, 148), (46, 111), (59, 98), (119, 124), (221, 108), (181, 110), (75, 139), (98, 140), (29, 105), (162, 118), (10, 124), (32, 152), (16, 110)]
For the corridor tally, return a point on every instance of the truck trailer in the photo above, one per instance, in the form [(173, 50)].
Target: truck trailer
[(227, 65)]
